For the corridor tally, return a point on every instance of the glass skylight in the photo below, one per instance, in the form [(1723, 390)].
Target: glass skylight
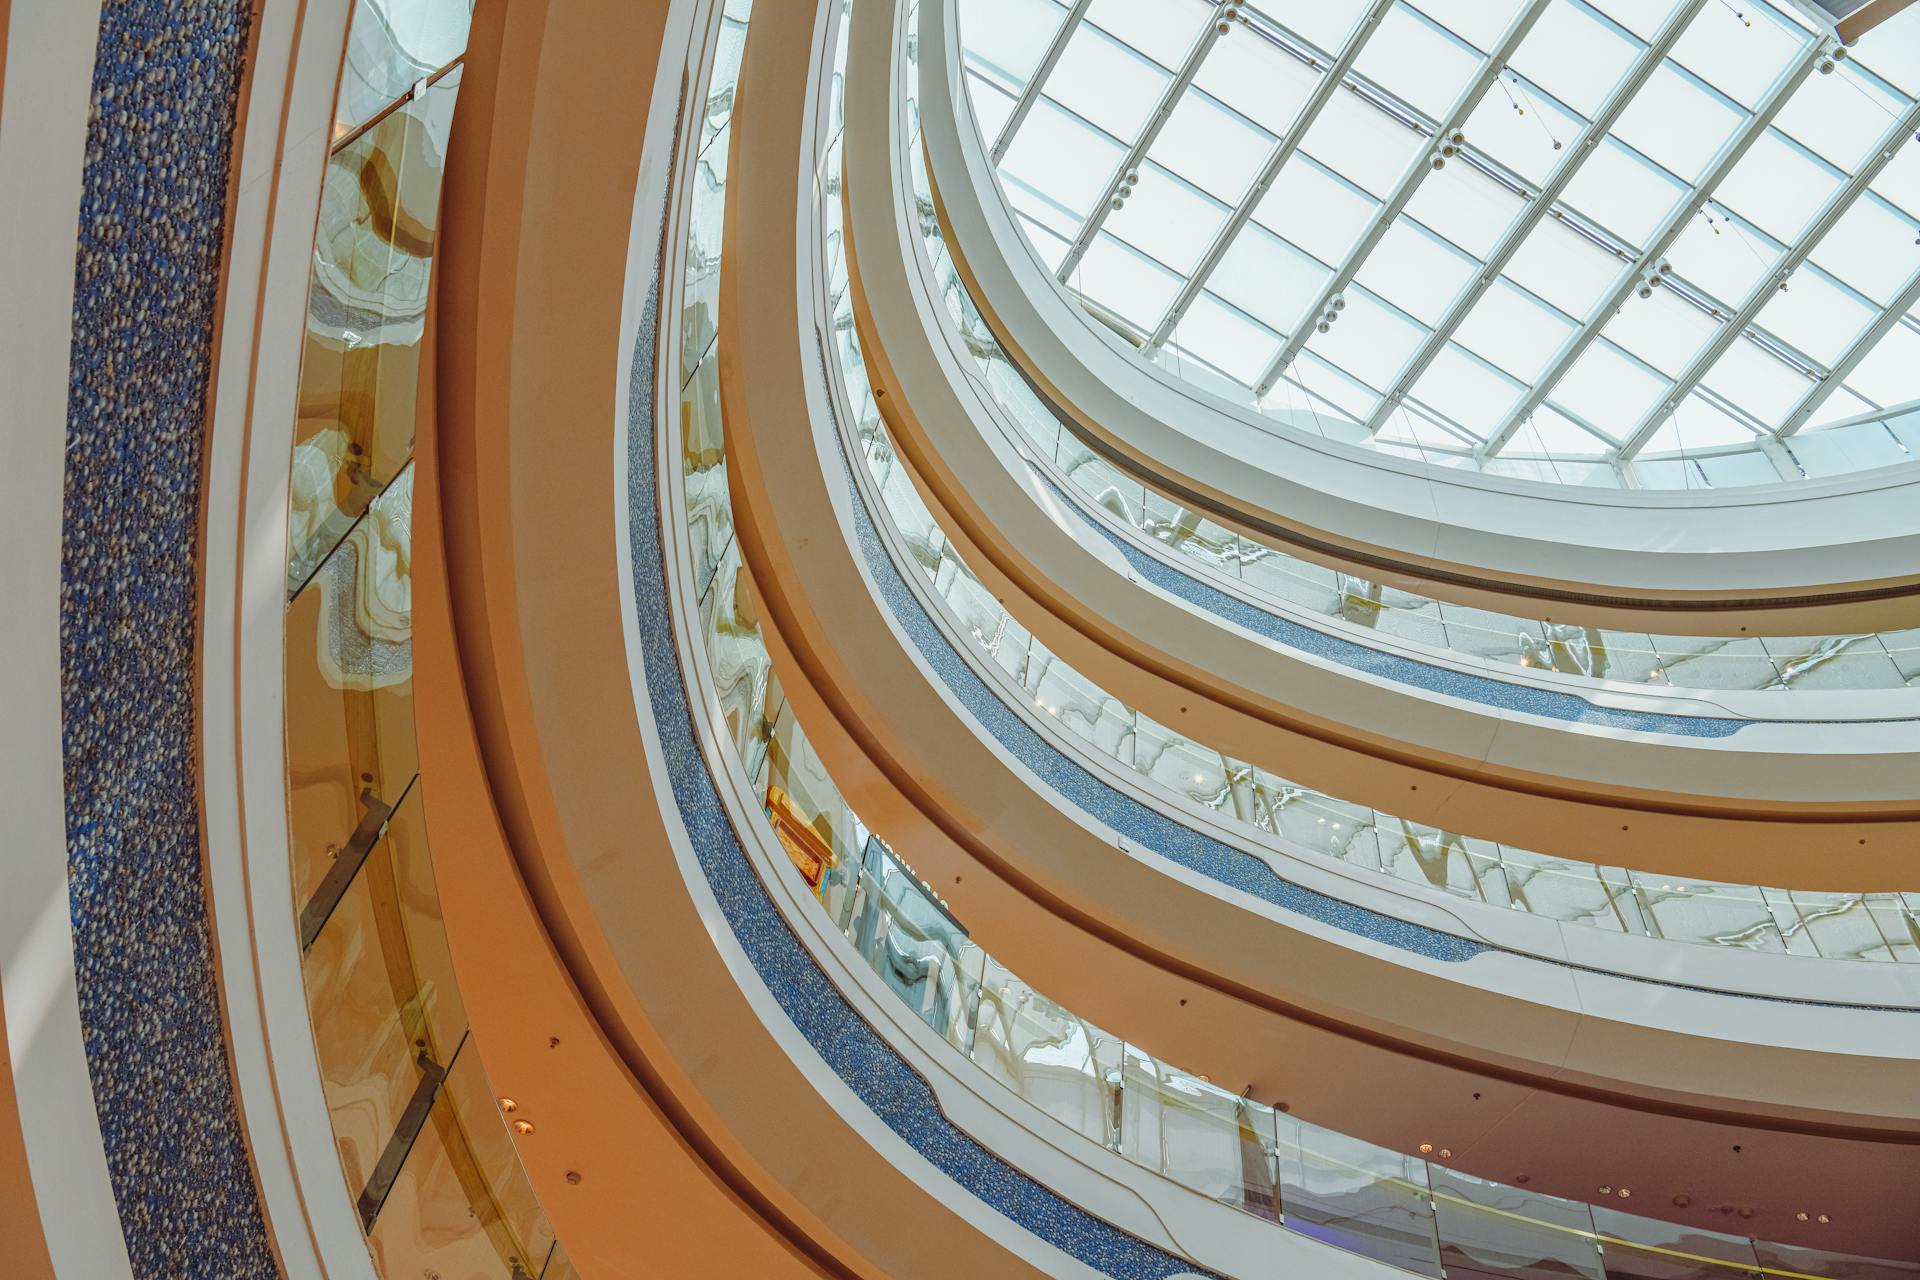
[(1617, 242)]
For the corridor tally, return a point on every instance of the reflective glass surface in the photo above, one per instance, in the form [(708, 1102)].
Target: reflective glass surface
[(1540, 237), (366, 319), (424, 1150), (393, 45)]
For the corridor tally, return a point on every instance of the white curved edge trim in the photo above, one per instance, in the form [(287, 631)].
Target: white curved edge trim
[(1798, 536), (49, 78), (283, 1106)]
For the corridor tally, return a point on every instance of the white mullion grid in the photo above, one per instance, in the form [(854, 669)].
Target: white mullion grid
[(1662, 239), (1542, 201), (1282, 152), (1162, 111), (1490, 68), (1817, 394), (1773, 344), (1031, 93), (1764, 291)]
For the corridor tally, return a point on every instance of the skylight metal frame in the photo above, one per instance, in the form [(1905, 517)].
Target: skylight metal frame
[(1036, 83), (1137, 151), (1763, 291), (1734, 319), (1611, 108), (1819, 392), (1815, 49), (1283, 150), (1491, 65)]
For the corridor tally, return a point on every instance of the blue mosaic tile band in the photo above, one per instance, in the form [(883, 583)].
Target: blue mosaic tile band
[(166, 85), (858, 1054)]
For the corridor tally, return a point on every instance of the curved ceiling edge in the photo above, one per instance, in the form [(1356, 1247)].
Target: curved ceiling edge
[(1664, 560)]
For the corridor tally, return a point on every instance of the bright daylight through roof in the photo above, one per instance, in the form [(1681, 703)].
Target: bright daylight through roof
[(1642, 243)]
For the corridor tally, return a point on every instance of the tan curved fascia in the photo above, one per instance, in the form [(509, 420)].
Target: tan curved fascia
[(604, 997), (1348, 1032), (1814, 557), (1830, 806)]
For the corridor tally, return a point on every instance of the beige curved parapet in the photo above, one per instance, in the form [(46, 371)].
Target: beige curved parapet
[(1809, 558), (52, 1160)]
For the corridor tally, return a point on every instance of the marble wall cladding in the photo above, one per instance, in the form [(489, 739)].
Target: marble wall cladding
[(160, 141)]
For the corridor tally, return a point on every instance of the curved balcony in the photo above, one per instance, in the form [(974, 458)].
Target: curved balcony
[(568, 783), (1508, 877), (988, 808)]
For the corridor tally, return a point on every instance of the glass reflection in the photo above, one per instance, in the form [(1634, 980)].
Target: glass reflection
[(423, 1148)]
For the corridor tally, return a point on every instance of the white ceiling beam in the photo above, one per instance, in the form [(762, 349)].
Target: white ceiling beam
[(1417, 170), (1768, 287), (1542, 202), (1111, 200), (1277, 158), (1736, 147), (1817, 394), (1029, 95)]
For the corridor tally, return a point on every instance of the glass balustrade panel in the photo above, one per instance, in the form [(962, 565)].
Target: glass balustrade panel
[(1635, 1248), (392, 45), (367, 318), (1357, 1197), (348, 682), (1490, 1230)]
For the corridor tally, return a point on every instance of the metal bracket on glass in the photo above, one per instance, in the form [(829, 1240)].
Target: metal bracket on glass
[(307, 560), (346, 865), (412, 1120)]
